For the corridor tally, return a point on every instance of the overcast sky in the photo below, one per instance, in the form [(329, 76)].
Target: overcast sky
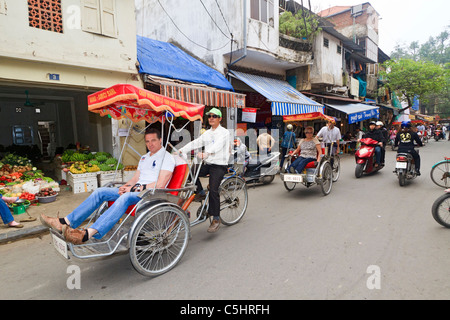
[(402, 21)]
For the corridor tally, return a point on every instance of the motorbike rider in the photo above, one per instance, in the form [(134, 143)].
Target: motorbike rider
[(380, 126), (242, 156), (405, 142), (376, 135)]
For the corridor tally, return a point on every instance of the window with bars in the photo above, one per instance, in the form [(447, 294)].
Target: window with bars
[(45, 14)]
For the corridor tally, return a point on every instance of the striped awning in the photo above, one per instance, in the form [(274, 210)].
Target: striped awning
[(285, 99), (200, 94)]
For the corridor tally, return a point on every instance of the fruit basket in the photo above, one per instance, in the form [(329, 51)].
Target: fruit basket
[(46, 195)]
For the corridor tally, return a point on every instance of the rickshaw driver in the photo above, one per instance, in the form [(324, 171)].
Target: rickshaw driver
[(217, 143), (144, 178)]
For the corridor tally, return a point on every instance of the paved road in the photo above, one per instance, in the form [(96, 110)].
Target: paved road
[(368, 233)]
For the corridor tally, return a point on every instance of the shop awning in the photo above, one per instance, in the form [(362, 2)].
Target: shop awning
[(183, 77), (128, 101), (357, 111), (285, 99)]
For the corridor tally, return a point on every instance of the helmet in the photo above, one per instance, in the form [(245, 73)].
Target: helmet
[(372, 122), (406, 124), (379, 123), (289, 127)]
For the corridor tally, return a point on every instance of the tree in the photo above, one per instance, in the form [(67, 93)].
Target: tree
[(412, 79)]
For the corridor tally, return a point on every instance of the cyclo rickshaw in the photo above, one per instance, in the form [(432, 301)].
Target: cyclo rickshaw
[(156, 230), (322, 173)]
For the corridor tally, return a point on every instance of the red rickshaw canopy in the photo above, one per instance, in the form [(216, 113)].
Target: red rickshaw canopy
[(126, 100), (307, 117)]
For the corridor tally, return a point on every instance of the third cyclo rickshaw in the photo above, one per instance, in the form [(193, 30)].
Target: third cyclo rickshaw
[(322, 173), (156, 230)]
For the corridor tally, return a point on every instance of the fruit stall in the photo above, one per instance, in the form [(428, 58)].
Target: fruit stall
[(19, 178), (85, 171)]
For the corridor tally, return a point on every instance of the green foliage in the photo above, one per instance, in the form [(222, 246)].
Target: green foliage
[(300, 25)]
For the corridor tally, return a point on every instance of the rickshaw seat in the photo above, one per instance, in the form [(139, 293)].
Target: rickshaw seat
[(179, 176), (313, 164)]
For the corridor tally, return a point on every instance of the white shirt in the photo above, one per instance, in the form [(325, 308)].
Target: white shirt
[(217, 144), (328, 135), (149, 165)]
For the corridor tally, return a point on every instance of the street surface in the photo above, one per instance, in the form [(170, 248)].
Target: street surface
[(368, 239)]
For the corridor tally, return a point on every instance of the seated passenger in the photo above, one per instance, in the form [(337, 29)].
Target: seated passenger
[(146, 176), (309, 150)]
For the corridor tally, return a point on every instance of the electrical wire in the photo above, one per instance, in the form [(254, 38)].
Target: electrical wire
[(186, 35), (213, 19)]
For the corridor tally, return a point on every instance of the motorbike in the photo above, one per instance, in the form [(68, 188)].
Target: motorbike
[(262, 170), (405, 168), (441, 209), (438, 134), (365, 158)]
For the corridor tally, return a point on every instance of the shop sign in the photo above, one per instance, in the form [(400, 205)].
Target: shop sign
[(249, 115)]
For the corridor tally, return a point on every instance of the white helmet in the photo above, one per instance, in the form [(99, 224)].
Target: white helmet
[(379, 123), (289, 127)]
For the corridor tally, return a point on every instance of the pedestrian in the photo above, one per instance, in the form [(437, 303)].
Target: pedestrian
[(5, 213), (265, 142), (217, 144), (330, 136), (287, 143)]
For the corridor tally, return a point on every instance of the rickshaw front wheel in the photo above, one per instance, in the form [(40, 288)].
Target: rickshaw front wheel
[(159, 240)]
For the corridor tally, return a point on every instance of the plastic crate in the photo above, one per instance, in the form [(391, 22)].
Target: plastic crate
[(83, 182), (105, 177)]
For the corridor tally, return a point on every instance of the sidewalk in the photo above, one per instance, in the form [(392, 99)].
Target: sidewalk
[(65, 202)]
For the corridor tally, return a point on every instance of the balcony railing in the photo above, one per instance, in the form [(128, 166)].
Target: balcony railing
[(295, 43)]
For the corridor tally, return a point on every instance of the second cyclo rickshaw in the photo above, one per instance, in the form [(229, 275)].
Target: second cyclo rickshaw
[(156, 230), (322, 173)]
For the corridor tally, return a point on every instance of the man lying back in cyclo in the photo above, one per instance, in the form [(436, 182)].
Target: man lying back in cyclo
[(155, 167)]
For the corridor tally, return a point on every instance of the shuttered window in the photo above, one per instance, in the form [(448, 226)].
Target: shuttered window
[(99, 16)]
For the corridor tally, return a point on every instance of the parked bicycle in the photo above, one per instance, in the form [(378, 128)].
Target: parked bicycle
[(440, 173), (441, 209)]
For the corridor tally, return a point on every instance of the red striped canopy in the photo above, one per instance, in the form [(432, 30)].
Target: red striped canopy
[(307, 117), (126, 100)]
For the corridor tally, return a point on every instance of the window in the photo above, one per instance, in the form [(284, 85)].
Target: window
[(262, 10), (99, 16), (326, 42), (339, 49), (45, 15)]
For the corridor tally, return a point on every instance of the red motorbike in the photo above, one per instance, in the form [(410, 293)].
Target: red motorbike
[(365, 158)]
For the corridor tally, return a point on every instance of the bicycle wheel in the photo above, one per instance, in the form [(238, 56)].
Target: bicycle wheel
[(441, 210), (327, 179), (440, 174), (336, 168), (233, 200), (159, 240)]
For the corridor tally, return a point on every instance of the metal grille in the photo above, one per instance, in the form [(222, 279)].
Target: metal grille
[(45, 14)]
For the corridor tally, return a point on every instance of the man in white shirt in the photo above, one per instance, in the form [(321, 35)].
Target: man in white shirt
[(155, 168), (330, 134), (217, 144)]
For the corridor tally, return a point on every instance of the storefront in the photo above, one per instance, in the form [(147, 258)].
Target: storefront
[(171, 72), (269, 100)]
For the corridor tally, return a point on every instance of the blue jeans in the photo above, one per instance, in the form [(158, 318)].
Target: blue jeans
[(5, 213), (300, 163), (378, 154), (110, 217)]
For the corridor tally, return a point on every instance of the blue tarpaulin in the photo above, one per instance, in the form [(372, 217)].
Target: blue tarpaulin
[(166, 60)]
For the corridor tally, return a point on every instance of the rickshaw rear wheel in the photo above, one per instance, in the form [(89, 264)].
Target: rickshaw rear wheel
[(159, 240), (327, 178)]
